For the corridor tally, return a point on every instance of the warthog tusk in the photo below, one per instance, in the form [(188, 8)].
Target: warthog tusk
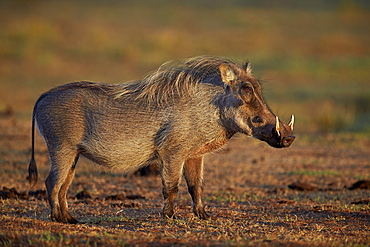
[(277, 126), (291, 123)]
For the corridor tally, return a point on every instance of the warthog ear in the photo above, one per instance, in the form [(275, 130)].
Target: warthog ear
[(227, 74), (248, 68)]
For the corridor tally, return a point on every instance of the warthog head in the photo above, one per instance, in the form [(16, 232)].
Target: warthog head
[(252, 115)]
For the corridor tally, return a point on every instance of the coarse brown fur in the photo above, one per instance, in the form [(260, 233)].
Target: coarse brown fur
[(171, 118)]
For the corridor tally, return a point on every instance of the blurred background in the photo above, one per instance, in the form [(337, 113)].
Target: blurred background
[(312, 57)]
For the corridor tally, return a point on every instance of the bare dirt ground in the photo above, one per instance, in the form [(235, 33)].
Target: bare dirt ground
[(256, 195)]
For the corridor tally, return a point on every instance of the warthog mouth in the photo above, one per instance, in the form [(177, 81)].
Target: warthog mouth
[(277, 141)]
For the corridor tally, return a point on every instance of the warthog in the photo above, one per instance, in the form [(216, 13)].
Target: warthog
[(171, 118)]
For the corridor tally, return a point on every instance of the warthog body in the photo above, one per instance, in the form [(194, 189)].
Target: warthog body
[(171, 118)]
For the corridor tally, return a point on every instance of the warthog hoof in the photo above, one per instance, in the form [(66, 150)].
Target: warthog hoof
[(168, 212), (201, 213), (65, 218)]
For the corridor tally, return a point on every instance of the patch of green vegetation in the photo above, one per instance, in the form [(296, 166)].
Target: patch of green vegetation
[(362, 177), (288, 218), (220, 197), (177, 222), (336, 218), (356, 207), (105, 218), (51, 238), (315, 173), (322, 198), (232, 197)]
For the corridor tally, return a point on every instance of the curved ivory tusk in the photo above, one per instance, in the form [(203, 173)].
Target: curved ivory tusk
[(277, 126), (291, 123)]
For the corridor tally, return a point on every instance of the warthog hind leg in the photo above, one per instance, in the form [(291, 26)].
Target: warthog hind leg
[(57, 183), (63, 195)]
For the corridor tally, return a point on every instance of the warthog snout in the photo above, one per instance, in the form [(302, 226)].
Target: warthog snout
[(278, 135), (287, 141)]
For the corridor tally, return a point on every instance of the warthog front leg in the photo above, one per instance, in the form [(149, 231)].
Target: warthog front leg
[(193, 172)]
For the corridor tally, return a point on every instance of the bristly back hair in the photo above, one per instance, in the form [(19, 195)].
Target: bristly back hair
[(176, 79)]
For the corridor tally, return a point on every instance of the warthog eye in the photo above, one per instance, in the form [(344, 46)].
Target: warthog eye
[(257, 119), (246, 91)]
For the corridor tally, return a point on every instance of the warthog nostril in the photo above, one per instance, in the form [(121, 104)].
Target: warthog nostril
[(287, 141)]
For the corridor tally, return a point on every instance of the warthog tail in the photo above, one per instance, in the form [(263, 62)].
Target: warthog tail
[(32, 168)]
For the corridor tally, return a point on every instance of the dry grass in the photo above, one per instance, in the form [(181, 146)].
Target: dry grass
[(313, 59), (246, 194)]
